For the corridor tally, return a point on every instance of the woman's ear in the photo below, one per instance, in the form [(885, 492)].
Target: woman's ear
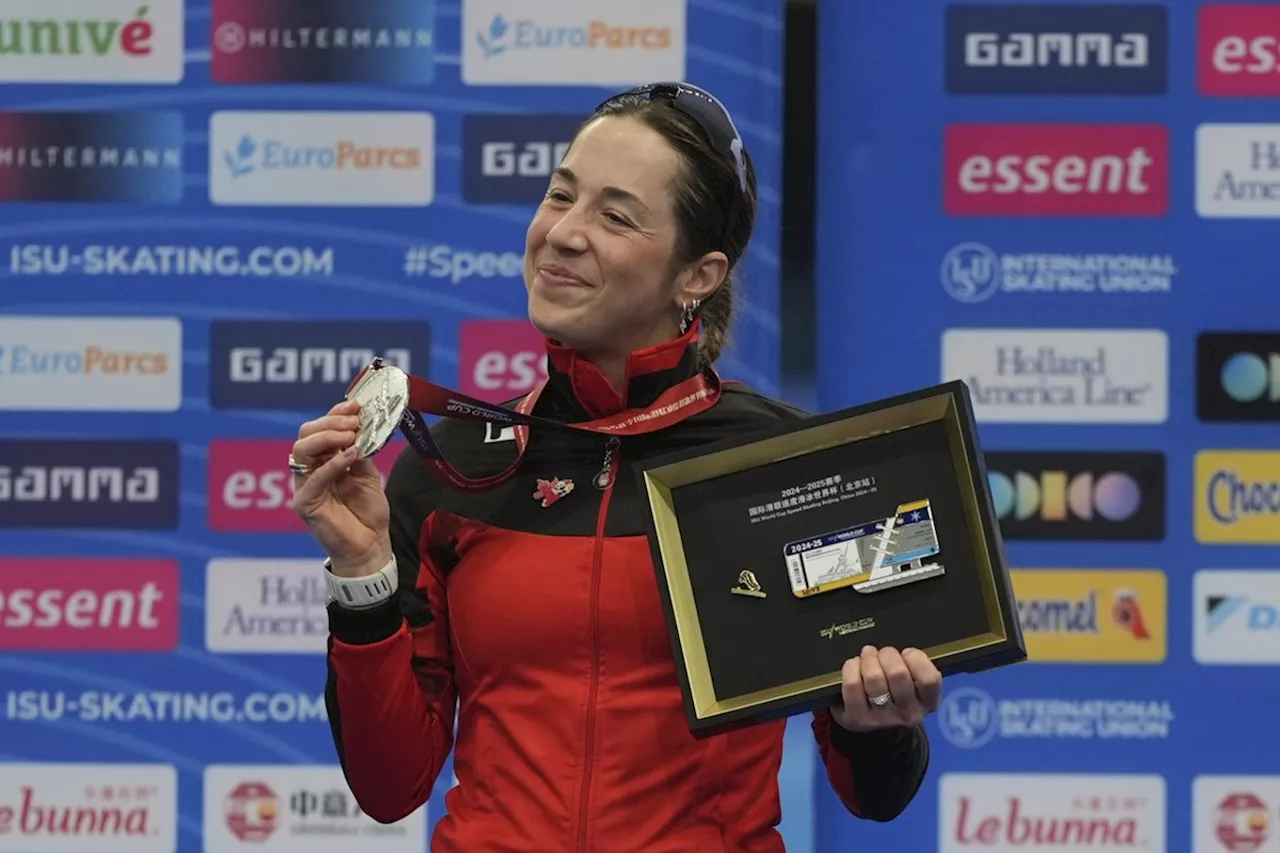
[(701, 278)]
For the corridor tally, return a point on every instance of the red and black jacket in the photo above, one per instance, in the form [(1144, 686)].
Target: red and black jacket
[(542, 629)]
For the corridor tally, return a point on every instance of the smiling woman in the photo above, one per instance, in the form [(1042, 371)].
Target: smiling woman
[(518, 593)]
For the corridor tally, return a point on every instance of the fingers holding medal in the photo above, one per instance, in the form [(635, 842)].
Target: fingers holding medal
[(322, 440)]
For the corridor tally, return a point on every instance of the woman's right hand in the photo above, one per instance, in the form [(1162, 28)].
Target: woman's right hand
[(341, 499)]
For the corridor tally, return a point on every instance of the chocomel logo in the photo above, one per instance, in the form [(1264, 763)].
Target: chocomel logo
[(1238, 497), (1056, 170), (1238, 50), (1092, 616)]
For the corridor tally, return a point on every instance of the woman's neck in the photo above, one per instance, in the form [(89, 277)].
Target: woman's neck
[(612, 361)]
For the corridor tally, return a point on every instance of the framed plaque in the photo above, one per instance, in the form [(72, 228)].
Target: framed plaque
[(780, 554)]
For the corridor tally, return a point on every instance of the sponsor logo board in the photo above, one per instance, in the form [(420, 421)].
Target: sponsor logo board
[(1056, 49), (88, 808), (1093, 616), (302, 41), (1110, 813), (89, 604), (271, 807), (508, 158), (274, 364), (346, 159), (1058, 170), (1236, 616), (1081, 495), (265, 606), (500, 360), (84, 483), (1237, 498), (64, 364), (572, 42), (1061, 375)]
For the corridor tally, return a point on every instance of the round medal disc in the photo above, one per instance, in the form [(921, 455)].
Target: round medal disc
[(383, 395)]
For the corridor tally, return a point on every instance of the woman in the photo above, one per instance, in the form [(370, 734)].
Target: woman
[(534, 602)]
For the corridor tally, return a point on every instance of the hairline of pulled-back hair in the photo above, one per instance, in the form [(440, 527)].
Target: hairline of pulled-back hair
[(703, 190)]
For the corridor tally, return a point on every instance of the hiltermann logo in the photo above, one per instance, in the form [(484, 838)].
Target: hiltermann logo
[(1098, 813), (84, 604), (1239, 50), (1061, 375), (1056, 170), (88, 808)]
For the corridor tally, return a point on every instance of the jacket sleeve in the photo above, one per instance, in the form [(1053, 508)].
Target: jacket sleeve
[(390, 691), (875, 774)]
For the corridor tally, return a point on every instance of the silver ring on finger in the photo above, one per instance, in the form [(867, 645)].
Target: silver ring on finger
[(297, 467), (882, 700)]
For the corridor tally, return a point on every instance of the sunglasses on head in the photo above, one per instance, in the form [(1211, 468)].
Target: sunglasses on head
[(705, 109)]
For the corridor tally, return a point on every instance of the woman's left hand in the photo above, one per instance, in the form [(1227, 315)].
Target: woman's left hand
[(909, 679)]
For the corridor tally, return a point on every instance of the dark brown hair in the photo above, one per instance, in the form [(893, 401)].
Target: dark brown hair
[(706, 191)]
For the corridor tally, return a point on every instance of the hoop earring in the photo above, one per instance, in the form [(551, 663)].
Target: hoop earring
[(687, 315)]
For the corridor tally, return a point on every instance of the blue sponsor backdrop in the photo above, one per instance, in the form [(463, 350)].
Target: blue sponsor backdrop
[(279, 289), (892, 77)]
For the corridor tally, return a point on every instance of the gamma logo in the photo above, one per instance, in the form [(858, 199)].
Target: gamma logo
[(1006, 49), (1078, 495), (1238, 376)]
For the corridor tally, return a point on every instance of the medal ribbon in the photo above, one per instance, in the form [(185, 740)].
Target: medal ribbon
[(690, 397)]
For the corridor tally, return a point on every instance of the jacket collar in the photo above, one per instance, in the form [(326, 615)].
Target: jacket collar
[(578, 389)]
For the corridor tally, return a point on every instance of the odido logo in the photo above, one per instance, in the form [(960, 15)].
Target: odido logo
[(1238, 376), (1078, 495)]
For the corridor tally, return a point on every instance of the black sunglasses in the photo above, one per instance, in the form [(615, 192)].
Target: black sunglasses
[(714, 120)]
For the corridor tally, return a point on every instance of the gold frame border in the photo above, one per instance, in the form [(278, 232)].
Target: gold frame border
[(659, 483)]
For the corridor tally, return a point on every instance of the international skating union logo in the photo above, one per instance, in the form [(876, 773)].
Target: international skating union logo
[(968, 718), (971, 273)]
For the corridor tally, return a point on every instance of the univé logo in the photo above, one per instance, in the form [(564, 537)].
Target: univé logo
[(1056, 170), (500, 360), (1078, 495), (1238, 376), (106, 41), (1238, 50), (1237, 496), (1097, 615)]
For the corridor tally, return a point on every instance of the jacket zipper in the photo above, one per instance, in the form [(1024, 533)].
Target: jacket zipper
[(604, 481)]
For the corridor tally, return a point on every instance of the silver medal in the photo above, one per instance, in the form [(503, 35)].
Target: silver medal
[(383, 395)]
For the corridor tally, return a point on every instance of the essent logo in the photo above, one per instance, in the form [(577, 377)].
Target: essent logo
[(1238, 51), (108, 41), (1238, 376), (1238, 496), (1069, 495), (251, 487), (500, 359), (1056, 170), (88, 604), (1082, 616)]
